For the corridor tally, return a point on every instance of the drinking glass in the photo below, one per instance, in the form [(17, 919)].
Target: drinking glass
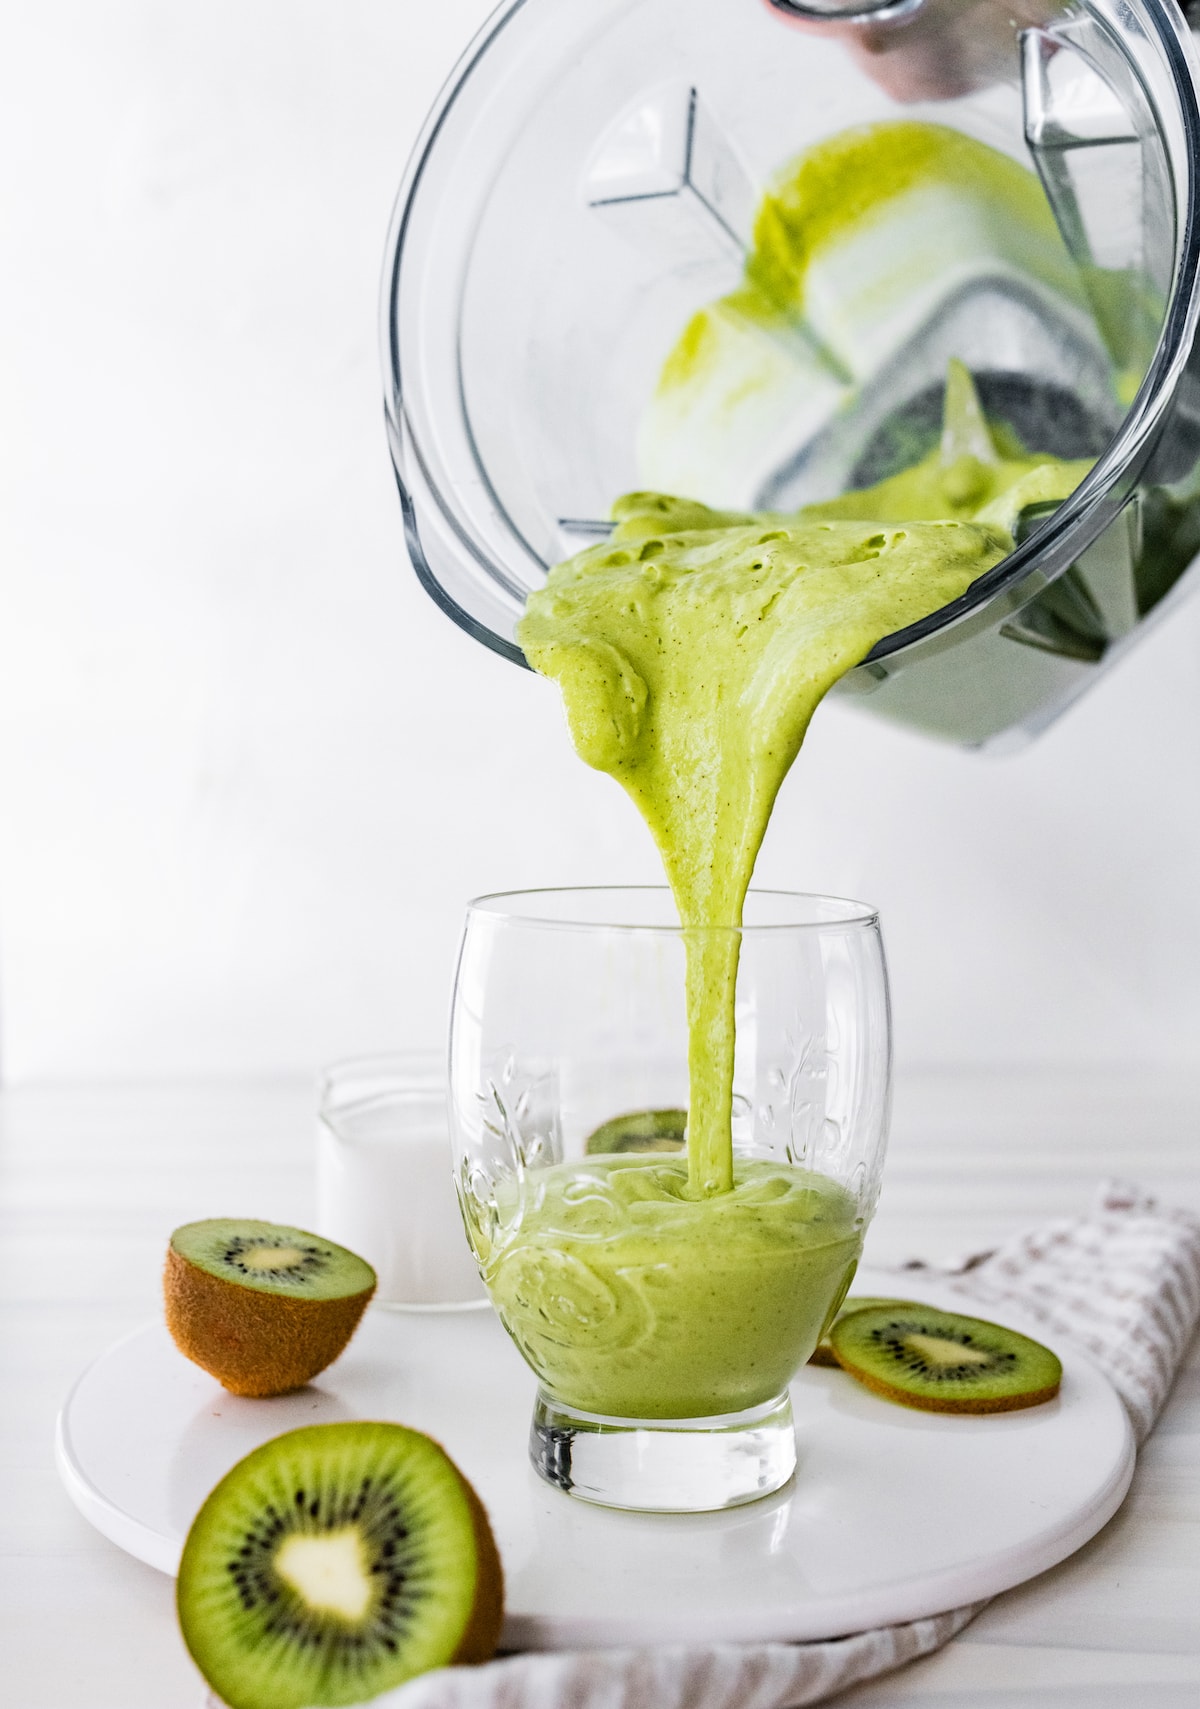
[(664, 1326)]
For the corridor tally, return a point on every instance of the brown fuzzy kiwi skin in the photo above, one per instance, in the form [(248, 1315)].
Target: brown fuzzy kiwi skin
[(482, 1634), (254, 1343), (994, 1403)]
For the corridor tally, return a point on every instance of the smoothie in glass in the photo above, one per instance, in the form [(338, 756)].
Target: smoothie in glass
[(631, 1298)]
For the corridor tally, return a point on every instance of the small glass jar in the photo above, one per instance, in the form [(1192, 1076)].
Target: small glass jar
[(385, 1179), (664, 1326)]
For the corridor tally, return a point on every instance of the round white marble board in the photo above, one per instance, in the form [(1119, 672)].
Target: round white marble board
[(893, 1514)]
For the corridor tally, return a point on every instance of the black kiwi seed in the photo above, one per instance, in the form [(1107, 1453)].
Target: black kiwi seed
[(823, 1353), (237, 1255), (943, 1361)]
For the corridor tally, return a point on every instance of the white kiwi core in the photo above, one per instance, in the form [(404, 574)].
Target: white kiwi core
[(940, 1350), (328, 1571), (271, 1257)]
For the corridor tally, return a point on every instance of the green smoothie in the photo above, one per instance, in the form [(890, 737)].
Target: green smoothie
[(690, 664), (632, 1298), (692, 649)]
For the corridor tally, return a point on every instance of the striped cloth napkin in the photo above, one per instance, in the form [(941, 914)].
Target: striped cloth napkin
[(1122, 1283)]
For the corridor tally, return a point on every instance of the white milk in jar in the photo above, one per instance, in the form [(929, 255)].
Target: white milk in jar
[(384, 1179)]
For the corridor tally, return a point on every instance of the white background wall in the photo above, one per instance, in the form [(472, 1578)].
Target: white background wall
[(249, 774)]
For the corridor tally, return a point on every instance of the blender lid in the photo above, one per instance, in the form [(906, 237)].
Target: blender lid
[(588, 184)]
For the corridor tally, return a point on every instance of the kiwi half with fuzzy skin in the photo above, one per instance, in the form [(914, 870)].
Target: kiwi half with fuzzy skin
[(641, 1130), (260, 1306), (823, 1353), (943, 1362), (334, 1563)]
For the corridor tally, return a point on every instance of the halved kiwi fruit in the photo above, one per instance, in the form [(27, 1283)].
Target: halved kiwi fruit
[(943, 1362), (823, 1353), (334, 1563), (641, 1130), (260, 1306)]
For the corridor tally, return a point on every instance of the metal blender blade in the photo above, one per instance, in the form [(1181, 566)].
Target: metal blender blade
[(1039, 368)]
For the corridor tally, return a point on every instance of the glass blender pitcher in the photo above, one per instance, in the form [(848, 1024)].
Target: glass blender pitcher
[(586, 188)]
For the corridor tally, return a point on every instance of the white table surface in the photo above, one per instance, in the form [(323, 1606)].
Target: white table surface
[(92, 1181)]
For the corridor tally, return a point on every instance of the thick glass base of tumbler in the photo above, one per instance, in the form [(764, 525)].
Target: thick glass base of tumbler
[(664, 1465)]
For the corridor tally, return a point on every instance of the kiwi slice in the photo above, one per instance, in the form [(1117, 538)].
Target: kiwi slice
[(334, 1563), (260, 1306), (823, 1353), (942, 1362), (642, 1130)]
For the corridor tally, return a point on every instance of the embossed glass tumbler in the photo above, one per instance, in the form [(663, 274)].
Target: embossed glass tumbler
[(664, 1326)]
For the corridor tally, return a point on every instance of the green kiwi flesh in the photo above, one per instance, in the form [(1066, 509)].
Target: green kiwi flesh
[(641, 1130), (823, 1353), (272, 1258), (334, 1563), (941, 1361)]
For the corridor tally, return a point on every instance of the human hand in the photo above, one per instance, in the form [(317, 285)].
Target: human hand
[(931, 51)]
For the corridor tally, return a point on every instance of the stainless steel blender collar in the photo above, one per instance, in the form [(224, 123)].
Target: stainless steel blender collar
[(587, 182), (848, 11)]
